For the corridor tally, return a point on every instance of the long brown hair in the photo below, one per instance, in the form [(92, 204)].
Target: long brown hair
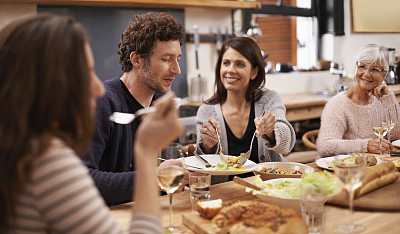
[(44, 93), (252, 52)]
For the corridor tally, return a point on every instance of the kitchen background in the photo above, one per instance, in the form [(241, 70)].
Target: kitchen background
[(337, 41)]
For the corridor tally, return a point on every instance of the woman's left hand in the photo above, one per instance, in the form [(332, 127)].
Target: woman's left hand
[(380, 90), (265, 125)]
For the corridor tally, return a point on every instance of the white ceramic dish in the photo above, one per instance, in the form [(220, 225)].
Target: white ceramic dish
[(396, 143), (214, 159), (324, 162), (293, 203), (290, 166)]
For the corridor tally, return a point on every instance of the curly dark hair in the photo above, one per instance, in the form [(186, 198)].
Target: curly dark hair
[(251, 51), (142, 36)]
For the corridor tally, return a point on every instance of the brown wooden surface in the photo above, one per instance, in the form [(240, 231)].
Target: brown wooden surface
[(227, 4), (375, 221)]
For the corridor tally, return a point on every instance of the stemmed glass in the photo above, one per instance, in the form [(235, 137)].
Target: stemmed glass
[(391, 118), (350, 176), (377, 127), (170, 178)]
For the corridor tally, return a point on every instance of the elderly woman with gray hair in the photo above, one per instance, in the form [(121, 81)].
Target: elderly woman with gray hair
[(346, 122)]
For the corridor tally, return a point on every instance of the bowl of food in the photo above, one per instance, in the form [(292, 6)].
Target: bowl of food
[(285, 192), (274, 170)]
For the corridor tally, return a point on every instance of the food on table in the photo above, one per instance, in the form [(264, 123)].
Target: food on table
[(347, 161), (396, 163), (291, 189), (285, 189), (371, 160), (279, 171), (377, 176), (258, 217), (209, 209), (222, 166)]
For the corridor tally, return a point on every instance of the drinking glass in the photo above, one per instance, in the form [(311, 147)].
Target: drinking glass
[(170, 178), (350, 176), (391, 118), (312, 206), (377, 119), (199, 187)]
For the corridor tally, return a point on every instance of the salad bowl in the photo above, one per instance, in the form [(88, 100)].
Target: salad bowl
[(285, 192)]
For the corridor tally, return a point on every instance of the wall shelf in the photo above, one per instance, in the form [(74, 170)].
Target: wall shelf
[(226, 4)]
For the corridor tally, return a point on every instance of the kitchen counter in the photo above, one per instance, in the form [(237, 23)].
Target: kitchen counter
[(309, 106)]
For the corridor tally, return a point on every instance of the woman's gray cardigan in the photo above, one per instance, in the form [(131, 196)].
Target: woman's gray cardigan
[(284, 133)]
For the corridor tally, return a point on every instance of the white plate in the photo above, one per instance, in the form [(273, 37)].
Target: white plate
[(214, 159), (324, 162), (396, 143)]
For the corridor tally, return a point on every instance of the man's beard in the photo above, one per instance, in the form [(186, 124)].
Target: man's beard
[(149, 77)]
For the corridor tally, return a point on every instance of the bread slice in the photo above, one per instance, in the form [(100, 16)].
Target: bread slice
[(209, 209)]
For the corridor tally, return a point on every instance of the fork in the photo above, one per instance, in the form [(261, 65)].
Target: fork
[(219, 142), (242, 160), (126, 118)]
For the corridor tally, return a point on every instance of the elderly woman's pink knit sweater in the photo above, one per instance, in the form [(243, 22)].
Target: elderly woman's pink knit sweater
[(347, 127)]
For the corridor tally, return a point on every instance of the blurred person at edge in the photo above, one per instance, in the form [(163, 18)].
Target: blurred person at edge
[(237, 106), (149, 54), (48, 88), (346, 118)]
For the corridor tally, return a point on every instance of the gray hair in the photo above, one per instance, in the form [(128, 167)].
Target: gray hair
[(372, 53)]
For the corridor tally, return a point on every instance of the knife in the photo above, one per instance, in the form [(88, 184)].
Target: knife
[(394, 153), (245, 183), (202, 159)]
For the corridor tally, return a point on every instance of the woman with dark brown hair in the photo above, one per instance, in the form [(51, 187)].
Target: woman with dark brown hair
[(48, 91), (241, 107)]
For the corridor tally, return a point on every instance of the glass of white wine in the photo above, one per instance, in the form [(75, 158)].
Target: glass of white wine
[(378, 118), (391, 118), (351, 178), (170, 178)]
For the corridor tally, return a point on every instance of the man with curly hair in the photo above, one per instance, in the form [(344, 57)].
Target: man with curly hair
[(149, 53)]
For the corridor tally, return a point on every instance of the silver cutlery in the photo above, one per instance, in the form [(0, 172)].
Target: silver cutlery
[(244, 158), (126, 118), (202, 159)]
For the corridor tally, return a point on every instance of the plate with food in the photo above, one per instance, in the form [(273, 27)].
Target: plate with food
[(219, 167), (273, 170), (328, 162)]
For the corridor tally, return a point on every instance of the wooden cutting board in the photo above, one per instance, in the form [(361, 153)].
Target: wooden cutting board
[(385, 198), (199, 224)]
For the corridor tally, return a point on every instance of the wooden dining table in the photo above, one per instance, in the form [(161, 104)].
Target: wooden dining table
[(374, 221)]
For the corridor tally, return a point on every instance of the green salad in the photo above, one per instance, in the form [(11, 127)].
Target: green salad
[(291, 189), (222, 166)]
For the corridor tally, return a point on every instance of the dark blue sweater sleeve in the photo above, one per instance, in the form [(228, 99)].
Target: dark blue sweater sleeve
[(110, 154)]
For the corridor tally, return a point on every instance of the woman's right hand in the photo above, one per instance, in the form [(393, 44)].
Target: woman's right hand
[(208, 135), (373, 146)]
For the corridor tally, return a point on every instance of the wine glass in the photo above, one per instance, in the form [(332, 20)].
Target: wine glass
[(170, 178), (391, 118), (350, 176), (379, 130)]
